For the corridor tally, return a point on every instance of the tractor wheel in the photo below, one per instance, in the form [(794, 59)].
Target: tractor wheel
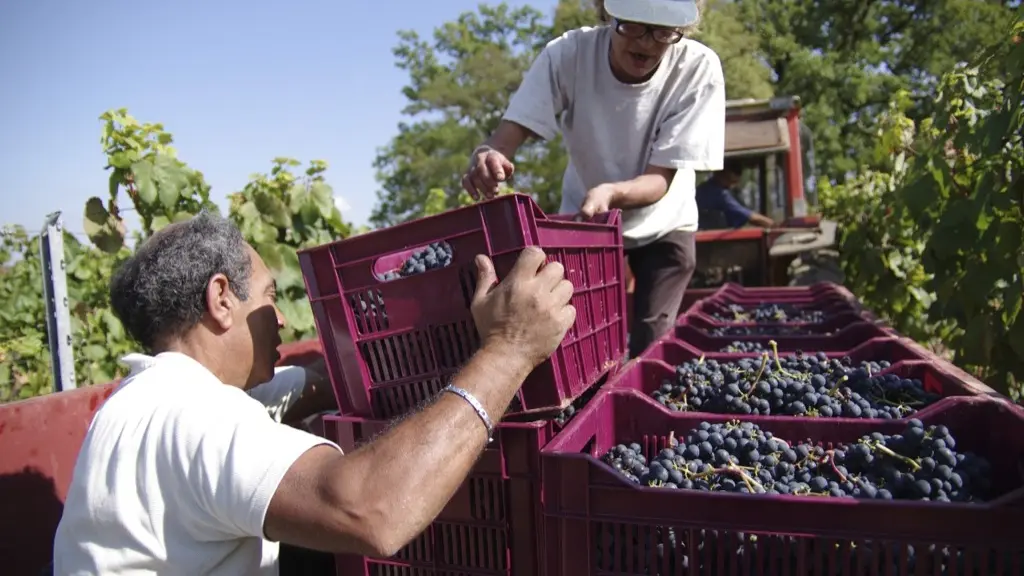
[(813, 267)]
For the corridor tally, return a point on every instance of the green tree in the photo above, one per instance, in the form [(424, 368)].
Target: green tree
[(846, 58), (460, 84)]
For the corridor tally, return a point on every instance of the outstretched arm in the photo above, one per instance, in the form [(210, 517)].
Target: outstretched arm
[(378, 498)]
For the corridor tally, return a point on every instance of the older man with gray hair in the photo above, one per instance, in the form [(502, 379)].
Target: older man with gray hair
[(183, 472)]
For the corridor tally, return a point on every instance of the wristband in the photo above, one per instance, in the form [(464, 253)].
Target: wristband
[(476, 406)]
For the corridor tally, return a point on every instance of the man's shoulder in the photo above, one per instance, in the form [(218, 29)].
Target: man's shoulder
[(693, 60), (578, 41), (174, 389)]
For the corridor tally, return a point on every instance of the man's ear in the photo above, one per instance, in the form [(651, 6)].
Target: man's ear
[(220, 301)]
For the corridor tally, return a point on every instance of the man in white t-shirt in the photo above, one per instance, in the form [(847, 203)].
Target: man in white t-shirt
[(641, 108), (184, 472)]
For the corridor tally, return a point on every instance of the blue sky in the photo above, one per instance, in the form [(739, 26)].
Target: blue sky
[(237, 83)]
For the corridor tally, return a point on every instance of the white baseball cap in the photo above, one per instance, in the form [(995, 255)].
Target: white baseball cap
[(668, 13)]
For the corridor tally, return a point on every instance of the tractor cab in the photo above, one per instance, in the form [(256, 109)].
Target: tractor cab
[(777, 149)]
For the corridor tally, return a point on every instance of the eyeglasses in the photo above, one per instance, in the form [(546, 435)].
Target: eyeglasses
[(636, 31)]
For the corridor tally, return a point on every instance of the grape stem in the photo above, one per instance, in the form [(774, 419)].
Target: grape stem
[(885, 450), (778, 364)]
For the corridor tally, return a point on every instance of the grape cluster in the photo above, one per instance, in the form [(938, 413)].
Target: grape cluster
[(573, 409), (744, 347), (796, 385), (436, 255), (768, 313), (770, 330), (920, 464)]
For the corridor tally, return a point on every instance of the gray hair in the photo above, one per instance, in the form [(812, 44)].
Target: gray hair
[(160, 292)]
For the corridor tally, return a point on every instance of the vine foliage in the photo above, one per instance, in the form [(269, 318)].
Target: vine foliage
[(278, 213), (933, 237)]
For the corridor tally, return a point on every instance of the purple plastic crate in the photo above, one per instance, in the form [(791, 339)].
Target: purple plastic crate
[(843, 339), (811, 293), (828, 308), (828, 327), (599, 523), (390, 345), (490, 525), (674, 352), (646, 376)]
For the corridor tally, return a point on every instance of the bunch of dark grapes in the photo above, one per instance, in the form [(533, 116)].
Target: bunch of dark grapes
[(795, 385), (744, 347), (770, 330), (769, 314), (920, 464), (571, 410), (434, 256)]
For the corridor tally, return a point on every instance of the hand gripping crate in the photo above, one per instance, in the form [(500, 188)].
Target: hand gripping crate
[(599, 523), (492, 524), (390, 345)]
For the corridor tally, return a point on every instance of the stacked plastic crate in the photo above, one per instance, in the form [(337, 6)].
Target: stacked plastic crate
[(876, 457), (392, 310)]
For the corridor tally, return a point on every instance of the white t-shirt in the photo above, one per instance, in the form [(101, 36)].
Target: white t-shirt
[(613, 130), (175, 476)]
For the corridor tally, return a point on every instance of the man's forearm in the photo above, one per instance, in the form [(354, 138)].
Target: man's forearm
[(758, 219), (638, 192), (508, 138), (643, 190), (408, 474)]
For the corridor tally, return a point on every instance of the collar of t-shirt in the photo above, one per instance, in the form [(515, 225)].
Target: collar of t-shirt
[(278, 395)]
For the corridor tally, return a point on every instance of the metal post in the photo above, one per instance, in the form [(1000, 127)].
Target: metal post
[(55, 293)]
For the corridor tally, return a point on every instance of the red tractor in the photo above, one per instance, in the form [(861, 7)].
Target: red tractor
[(779, 183)]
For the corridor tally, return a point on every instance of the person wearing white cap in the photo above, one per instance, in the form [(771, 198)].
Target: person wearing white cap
[(641, 108)]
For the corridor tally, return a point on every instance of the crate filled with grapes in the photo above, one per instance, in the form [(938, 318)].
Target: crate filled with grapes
[(878, 380), (829, 326), (392, 306), (632, 489), (843, 339), (774, 313)]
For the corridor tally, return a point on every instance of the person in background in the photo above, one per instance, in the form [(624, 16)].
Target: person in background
[(184, 472), (641, 108), (717, 205)]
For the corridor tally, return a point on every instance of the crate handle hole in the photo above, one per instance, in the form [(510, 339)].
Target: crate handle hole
[(415, 260)]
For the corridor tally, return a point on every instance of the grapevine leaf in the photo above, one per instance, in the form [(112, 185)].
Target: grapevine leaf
[(274, 209), (94, 352), (271, 255), (116, 176), (323, 195), (298, 316), (977, 341), (288, 274), (103, 229), (309, 213), (1011, 304), (159, 223), (112, 326), (171, 178), (142, 173)]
